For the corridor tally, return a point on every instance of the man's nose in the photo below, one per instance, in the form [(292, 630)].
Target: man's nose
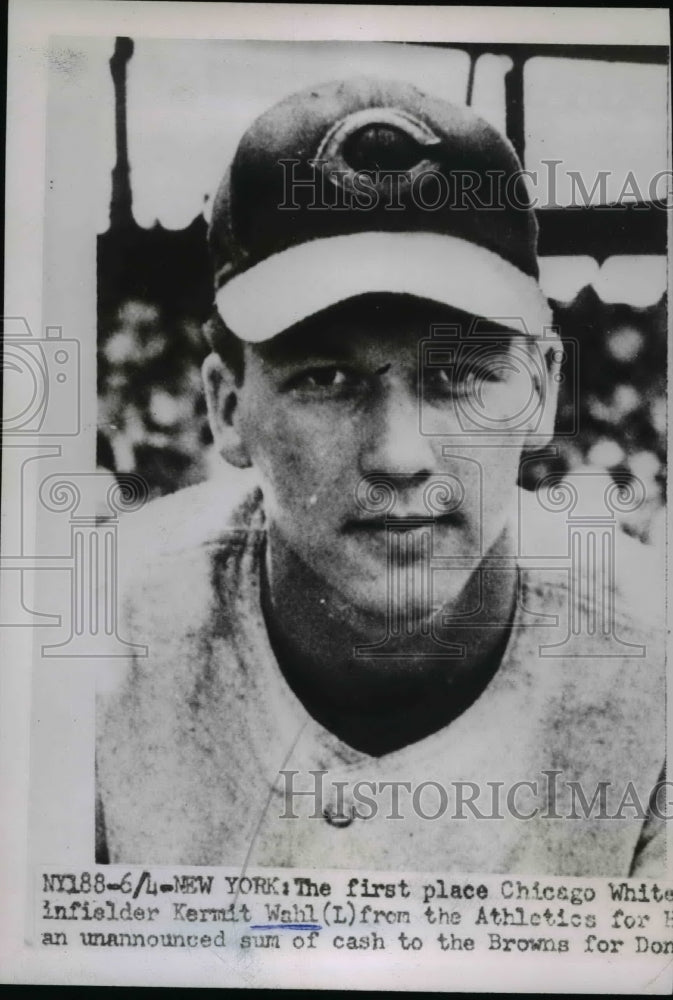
[(393, 441)]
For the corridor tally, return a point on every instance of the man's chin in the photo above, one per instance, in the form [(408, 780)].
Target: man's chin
[(357, 584), (401, 605)]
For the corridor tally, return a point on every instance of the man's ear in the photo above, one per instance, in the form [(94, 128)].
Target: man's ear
[(547, 357), (222, 399)]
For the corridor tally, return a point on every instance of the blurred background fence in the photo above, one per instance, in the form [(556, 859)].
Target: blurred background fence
[(603, 265)]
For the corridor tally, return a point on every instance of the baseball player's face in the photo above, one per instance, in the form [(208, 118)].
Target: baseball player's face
[(388, 454)]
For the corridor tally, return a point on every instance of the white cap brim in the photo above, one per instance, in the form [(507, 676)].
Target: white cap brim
[(303, 280)]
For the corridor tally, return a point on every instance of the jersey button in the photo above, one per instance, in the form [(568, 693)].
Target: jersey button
[(339, 814)]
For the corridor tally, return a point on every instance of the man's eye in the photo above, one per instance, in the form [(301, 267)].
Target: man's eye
[(327, 378), (468, 373), (463, 378), (324, 378)]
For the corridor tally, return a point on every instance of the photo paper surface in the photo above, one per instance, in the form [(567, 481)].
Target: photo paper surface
[(334, 546)]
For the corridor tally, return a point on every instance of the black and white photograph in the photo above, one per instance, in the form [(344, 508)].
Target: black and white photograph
[(337, 452)]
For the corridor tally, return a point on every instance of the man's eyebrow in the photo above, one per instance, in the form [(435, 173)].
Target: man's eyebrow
[(480, 332), (337, 339), (291, 348)]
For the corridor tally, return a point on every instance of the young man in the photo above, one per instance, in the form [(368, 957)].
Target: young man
[(357, 666)]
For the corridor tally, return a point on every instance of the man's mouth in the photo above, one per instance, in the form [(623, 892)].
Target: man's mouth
[(400, 523)]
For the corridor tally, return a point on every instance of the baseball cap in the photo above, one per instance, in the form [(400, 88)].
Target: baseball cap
[(362, 186)]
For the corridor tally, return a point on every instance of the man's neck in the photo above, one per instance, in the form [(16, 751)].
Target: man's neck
[(424, 681)]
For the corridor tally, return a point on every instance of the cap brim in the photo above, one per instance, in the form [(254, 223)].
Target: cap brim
[(296, 283)]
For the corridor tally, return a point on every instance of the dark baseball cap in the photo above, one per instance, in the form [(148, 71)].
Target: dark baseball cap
[(365, 185)]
